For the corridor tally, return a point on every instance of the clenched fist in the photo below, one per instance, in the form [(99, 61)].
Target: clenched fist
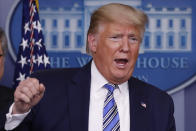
[(28, 93)]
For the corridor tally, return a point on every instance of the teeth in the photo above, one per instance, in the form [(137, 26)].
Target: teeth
[(121, 62)]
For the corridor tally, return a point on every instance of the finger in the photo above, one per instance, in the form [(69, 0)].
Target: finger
[(22, 97), (41, 89), (32, 86), (27, 92), (35, 82), (27, 88)]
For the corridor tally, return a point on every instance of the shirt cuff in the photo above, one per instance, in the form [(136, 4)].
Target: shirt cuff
[(13, 120)]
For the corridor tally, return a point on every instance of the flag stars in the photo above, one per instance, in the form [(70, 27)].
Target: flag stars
[(33, 59), (34, 9), (38, 43), (31, 56), (22, 61), (39, 60), (35, 25), (26, 27), (24, 44), (39, 28), (46, 60), (21, 77)]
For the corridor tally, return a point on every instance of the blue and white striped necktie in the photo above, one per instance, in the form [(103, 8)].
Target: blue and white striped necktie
[(111, 120)]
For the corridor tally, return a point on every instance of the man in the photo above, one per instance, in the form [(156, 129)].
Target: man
[(102, 95), (6, 94)]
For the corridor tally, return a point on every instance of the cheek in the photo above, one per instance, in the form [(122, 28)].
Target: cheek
[(112, 49), (134, 54), (107, 52), (1, 63), (1, 69), (135, 49), (1, 66)]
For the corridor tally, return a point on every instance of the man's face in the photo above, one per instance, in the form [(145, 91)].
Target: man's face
[(1, 62), (115, 50)]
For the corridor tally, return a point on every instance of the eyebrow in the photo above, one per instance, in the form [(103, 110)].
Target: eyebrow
[(117, 34)]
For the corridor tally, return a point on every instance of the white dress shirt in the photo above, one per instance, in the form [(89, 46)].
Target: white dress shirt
[(97, 96), (12, 121)]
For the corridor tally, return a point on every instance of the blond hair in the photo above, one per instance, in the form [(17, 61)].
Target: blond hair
[(117, 13)]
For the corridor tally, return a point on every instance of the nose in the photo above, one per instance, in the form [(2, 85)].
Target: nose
[(125, 45)]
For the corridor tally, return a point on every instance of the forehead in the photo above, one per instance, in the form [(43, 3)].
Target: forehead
[(118, 28)]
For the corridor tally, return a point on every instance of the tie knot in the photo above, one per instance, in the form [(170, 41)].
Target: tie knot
[(110, 87)]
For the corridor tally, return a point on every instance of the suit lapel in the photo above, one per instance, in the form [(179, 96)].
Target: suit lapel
[(140, 119), (79, 96)]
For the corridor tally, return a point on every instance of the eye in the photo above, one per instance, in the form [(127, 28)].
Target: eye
[(115, 38), (133, 40)]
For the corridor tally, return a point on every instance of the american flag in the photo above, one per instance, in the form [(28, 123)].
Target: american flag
[(143, 104), (32, 55)]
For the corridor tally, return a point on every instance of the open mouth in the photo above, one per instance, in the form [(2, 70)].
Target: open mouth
[(121, 62)]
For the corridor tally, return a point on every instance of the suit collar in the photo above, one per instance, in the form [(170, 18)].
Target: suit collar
[(79, 97), (140, 119)]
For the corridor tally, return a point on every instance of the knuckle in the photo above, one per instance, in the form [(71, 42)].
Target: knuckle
[(28, 84), (25, 90), (34, 80), (17, 92), (22, 82)]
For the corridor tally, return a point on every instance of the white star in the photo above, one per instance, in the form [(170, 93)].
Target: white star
[(34, 60), (34, 25), (39, 60), (39, 27), (46, 60), (21, 77), (38, 43), (22, 61), (26, 27), (34, 10), (24, 43)]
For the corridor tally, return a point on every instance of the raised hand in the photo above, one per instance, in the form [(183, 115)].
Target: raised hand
[(28, 93)]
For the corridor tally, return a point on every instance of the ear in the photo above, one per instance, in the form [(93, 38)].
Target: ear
[(92, 42)]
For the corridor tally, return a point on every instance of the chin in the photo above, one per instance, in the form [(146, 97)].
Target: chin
[(121, 79)]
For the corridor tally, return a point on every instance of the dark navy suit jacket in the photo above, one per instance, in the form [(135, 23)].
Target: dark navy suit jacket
[(65, 105), (6, 98)]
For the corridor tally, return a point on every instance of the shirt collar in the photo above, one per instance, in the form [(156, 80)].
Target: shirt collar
[(98, 81)]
